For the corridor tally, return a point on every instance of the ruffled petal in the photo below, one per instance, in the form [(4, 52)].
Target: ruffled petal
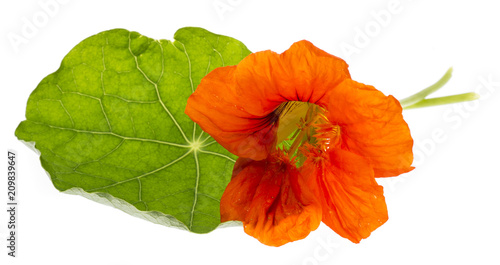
[(216, 107), (302, 73), (235, 104), (273, 200), (372, 126), (353, 203)]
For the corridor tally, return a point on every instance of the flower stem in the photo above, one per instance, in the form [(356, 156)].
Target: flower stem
[(443, 100), (411, 100)]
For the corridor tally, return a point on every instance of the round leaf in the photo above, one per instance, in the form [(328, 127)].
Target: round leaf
[(110, 125)]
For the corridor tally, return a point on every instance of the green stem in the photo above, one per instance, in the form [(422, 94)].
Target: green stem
[(411, 100), (443, 100)]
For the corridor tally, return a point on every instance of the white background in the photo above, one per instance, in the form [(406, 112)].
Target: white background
[(444, 212)]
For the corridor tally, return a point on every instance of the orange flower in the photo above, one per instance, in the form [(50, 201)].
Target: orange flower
[(238, 105), (311, 142)]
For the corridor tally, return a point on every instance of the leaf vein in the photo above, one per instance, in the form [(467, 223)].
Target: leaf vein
[(132, 101), (217, 154), (156, 88), (210, 143), (195, 189), (114, 134), (190, 75), (143, 175)]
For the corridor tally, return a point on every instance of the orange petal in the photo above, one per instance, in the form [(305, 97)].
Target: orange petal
[(353, 202), (215, 106), (273, 201), (302, 73), (372, 126)]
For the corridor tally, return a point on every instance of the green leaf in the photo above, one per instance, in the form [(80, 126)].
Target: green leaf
[(110, 125)]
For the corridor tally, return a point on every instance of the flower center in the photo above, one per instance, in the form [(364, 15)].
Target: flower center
[(303, 124)]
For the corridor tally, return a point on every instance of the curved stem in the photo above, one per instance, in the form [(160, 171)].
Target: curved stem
[(443, 100), (411, 100)]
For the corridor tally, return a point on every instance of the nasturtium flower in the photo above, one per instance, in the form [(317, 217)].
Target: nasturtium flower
[(311, 142)]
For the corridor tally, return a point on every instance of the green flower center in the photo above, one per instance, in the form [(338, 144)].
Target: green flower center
[(304, 124)]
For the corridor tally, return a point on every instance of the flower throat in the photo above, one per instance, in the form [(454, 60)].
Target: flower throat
[(304, 126)]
